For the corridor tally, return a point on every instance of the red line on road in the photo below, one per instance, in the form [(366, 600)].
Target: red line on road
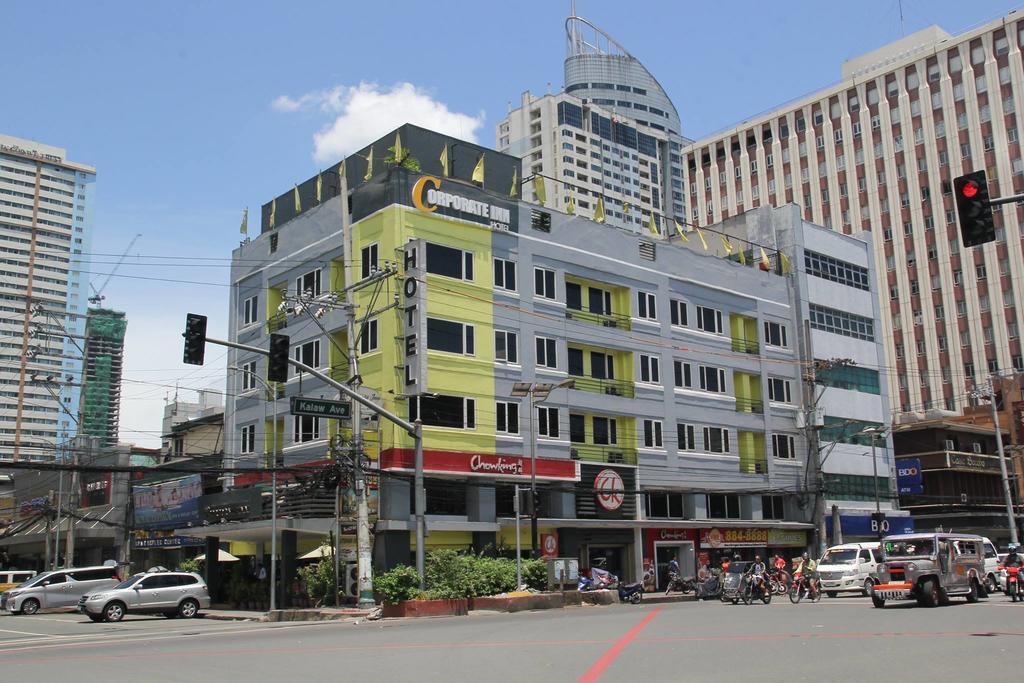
[(612, 653)]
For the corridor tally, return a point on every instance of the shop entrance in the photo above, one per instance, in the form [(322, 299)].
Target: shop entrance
[(614, 559), (681, 552)]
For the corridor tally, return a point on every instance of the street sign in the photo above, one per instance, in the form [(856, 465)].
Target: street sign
[(320, 407), (909, 477)]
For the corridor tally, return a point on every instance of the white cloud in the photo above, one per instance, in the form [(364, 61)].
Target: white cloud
[(365, 112)]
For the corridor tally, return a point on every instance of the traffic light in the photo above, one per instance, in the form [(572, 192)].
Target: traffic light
[(972, 206), (195, 339), (277, 366)]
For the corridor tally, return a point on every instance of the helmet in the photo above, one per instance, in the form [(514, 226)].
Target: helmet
[(1013, 547), (736, 556), (757, 558), (806, 556)]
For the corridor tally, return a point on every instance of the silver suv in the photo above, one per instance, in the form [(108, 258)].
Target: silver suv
[(173, 594), (60, 589)]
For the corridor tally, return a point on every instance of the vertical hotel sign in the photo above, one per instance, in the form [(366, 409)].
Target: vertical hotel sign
[(414, 317)]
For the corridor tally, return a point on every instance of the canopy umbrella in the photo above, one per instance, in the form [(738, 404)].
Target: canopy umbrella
[(347, 554), (222, 556)]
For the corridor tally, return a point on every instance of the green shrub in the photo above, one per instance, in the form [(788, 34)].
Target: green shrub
[(194, 566), (397, 584), (319, 580), (535, 574), (453, 574)]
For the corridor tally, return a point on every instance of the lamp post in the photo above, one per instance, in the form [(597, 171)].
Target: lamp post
[(538, 393), (874, 433), (273, 485)]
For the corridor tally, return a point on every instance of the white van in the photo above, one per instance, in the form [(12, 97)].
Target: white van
[(991, 566), (849, 567)]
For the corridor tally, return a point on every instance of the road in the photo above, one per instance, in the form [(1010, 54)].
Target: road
[(842, 639)]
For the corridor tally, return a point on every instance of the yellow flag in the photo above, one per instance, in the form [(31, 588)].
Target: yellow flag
[(570, 205), (599, 210), (653, 226), (244, 227), (765, 263), (681, 232), (785, 263), (342, 173), (298, 202), (539, 189), (273, 211), (514, 190), (700, 234), (445, 171), (726, 244), (319, 187), (478, 172), (743, 258), (398, 149), (626, 206), (369, 165)]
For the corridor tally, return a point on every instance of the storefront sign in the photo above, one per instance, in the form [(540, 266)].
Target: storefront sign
[(167, 541), (428, 196), (609, 489), (908, 475), (752, 538), (414, 318), (95, 489), (674, 534), (606, 492), (481, 465), (860, 525), (21, 151), (549, 545), (169, 503), (231, 506), (971, 462)]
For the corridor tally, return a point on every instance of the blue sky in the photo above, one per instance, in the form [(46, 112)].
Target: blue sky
[(192, 111)]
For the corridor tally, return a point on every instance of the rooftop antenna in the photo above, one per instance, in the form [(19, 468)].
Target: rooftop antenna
[(903, 30)]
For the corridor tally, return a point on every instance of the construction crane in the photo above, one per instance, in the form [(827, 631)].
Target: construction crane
[(97, 297)]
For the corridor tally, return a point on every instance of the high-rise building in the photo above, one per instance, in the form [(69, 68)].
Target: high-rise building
[(45, 231), (101, 383)]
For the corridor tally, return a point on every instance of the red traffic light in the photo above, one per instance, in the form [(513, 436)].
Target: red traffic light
[(970, 189)]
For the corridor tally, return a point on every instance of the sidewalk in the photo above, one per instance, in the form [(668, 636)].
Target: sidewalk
[(310, 614)]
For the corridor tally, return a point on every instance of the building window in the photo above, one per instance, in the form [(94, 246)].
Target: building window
[(250, 310), (305, 429), (683, 377), (685, 437), (456, 412), (308, 284), (779, 390), (716, 440), (652, 433), (709, 319), (450, 337), (835, 270), (308, 353), (650, 369), (854, 378), (712, 379), (646, 307), (449, 262), (775, 334), (506, 347), (665, 505), (547, 422), (544, 283), (677, 310), (842, 323), (723, 506), (784, 446), (368, 256), (505, 274), (773, 507), (368, 337), (507, 417), (546, 353), (249, 376), (248, 433)]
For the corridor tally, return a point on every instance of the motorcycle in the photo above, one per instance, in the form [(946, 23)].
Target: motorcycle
[(779, 581), (1013, 584), (680, 584), (756, 590), (710, 588), (632, 593), (599, 580), (804, 588)]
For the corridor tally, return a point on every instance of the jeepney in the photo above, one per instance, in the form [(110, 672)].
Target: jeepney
[(930, 568)]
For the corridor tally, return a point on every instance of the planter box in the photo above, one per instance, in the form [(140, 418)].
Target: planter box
[(428, 608), (518, 603)]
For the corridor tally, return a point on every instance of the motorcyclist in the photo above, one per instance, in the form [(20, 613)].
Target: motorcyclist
[(673, 567), (808, 568), (1013, 559), (757, 571)]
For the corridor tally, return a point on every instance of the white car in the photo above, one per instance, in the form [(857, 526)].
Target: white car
[(849, 567), (992, 564), (173, 594)]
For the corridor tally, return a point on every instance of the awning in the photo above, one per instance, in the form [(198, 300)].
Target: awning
[(100, 523), (346, 554), (222, 556)]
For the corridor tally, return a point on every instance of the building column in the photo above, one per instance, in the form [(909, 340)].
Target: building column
[(391, 548), (289, 551), (213, 568), (481, 507)]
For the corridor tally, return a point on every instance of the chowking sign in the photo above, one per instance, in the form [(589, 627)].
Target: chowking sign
[(427, 196), (414, 318)]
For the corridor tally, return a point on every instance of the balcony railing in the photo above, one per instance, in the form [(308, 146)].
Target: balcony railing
[(610, 387), (601, 453), (745, 346), (276, 322), (616, 320), (749, 405)]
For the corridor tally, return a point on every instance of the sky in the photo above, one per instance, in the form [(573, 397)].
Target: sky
[(193, 111)]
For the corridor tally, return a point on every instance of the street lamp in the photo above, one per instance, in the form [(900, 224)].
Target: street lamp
[(272, 396), (874, 433), (538, 393)]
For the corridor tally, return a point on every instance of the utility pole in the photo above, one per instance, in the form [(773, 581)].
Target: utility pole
[(1011, 518), (813, 442)]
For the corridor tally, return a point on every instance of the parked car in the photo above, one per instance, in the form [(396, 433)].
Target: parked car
[(849, 567), (172, 594), (992, 564), (930, 568), (11, 578), (53, 590)]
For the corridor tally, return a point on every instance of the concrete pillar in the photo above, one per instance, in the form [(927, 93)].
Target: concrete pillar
[(213, 579), (480, 503), (395, 499), (561, 502), (390, 549), (700, 506), (289, 551)]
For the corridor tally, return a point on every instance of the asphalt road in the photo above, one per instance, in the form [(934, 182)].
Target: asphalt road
[(843, 639)]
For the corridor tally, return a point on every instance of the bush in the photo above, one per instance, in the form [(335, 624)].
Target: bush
[(449, 574), (319, 580), (194, 566), (535, 574), (452, 574), (398, 584)]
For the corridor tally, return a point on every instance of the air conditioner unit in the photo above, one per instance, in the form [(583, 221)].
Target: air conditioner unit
[(574, 453), (613, 391), (950, 446), (352, 580), (616, 457), (976, 447)]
